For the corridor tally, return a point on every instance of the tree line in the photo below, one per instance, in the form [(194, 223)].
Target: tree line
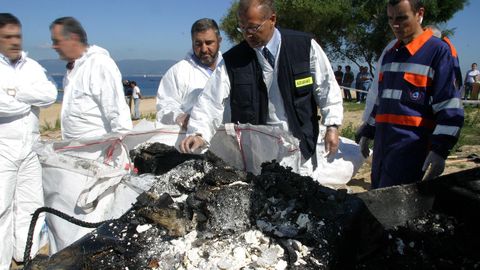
[(347, 30)]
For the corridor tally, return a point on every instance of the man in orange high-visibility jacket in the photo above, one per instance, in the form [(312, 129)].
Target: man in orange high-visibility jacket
[(418, 113)]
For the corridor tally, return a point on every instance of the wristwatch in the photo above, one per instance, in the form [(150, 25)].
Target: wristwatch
[(332, 126)]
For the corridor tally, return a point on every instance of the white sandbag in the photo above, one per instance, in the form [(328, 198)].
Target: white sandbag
[(337, 170), (89, 180), (247, 146), (79, 179)]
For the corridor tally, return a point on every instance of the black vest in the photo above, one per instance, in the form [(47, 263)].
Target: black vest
[(249, 97)]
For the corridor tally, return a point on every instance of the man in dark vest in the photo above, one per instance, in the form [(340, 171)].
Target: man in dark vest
[(274, 77)]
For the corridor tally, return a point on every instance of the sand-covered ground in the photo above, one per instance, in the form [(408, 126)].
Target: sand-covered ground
[(52, 113)]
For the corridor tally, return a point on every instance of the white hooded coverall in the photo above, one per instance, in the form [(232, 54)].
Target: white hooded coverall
[(94, 101), (24, 88), (179, 88)]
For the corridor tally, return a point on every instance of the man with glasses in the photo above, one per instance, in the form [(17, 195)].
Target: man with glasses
[(180, 86), (274, 77)]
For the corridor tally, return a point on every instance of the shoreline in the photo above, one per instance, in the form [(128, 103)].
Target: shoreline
[(48, 116)]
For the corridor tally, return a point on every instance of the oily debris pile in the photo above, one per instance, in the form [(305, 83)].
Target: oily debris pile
[(203, 214)]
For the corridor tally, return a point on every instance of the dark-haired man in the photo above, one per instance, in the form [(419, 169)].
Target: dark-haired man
[(471, 77), (24, 89), (418, 114), (180, 86), (274, 77), (93, 100), (347, 81)]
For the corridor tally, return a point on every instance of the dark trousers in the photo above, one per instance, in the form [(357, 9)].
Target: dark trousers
[(468, 90), (346, 93)]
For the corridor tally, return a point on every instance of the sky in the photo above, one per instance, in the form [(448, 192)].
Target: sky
[(160, 29)]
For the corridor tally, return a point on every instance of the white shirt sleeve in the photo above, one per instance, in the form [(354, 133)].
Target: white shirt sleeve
[(207, 114), (10, 106), (37, 90), (169, 97), (326, 89)]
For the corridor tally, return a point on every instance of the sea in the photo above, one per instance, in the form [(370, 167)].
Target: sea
[(148, 84)]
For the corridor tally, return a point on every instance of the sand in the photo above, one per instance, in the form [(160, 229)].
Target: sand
[(52, 113)]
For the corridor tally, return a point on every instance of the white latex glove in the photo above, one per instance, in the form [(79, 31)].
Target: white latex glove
[(364, 141), (433, 166)]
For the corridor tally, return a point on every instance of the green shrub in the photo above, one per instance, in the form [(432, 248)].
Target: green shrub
[(47, 126), (348, 131)]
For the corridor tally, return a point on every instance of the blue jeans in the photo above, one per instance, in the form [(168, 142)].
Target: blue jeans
[(136, 111)]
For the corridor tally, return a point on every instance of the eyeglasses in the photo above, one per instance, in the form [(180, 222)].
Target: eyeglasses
[(250, 30)]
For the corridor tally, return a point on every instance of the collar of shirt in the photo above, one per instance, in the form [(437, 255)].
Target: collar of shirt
[(80, 60), (273, 45), (22, 58), (416, 43)]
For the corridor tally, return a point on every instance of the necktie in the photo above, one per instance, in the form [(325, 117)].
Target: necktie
[(269, 56)]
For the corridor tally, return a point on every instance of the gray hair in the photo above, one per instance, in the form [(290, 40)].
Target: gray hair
[(71, 26), (204, 25)]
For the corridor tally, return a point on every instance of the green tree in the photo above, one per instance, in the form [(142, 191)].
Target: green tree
[(354, 30)]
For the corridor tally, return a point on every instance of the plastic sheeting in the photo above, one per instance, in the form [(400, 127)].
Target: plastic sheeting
[(89, 180)]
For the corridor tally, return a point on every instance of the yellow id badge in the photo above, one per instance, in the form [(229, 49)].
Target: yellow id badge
[(304, 82)]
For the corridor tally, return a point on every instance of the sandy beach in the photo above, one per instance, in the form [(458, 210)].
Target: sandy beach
[(51, 114)]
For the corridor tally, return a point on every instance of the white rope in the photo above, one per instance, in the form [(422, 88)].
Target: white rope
[(354, 89)]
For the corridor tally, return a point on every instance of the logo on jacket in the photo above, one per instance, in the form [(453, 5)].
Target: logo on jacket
[(415, 95)]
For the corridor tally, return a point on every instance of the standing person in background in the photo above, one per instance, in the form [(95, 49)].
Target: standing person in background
[(180, 86), (136, 95), (127, 90), (358, 84), (348, 78), (339, 75), (418, 114), (24, 89), (471, 77), (256, 84), (93, 101), (364, 84)]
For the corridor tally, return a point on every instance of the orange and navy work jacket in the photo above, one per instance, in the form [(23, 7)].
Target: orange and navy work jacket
[(417, 96)]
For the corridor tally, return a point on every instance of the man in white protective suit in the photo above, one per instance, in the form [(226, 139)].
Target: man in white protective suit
[(24, 89), (180, 86), (93, 101)]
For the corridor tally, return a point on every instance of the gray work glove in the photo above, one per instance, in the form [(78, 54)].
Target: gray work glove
[(433, 166), (358, 132), (363, 143)]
